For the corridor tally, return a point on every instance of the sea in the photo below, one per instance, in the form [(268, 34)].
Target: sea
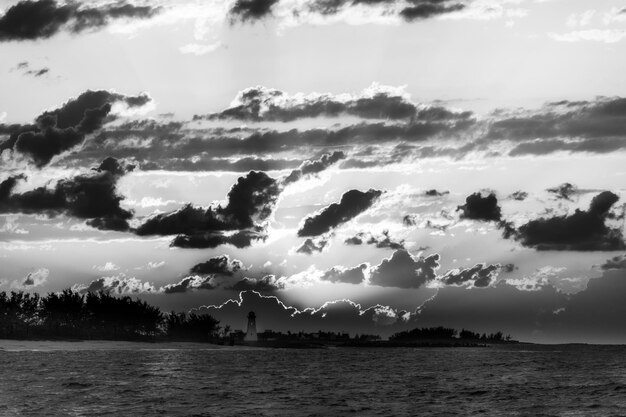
[(186, 379)]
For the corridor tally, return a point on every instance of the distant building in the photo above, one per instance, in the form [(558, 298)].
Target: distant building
[(251, 335)]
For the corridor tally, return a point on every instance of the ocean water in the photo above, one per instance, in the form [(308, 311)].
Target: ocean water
[(134, 379)]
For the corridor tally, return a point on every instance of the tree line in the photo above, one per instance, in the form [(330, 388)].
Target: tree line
[(446, 333), (71, 315)]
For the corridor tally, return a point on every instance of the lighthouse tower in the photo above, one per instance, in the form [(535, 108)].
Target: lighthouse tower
[(251, 331)]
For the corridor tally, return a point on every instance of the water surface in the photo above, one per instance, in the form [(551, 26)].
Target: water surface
[(178, 379)]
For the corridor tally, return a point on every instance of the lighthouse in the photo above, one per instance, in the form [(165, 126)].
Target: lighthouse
[(251, 331)]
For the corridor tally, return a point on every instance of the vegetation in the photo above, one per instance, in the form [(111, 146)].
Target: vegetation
[(71, 315), (445, 333)]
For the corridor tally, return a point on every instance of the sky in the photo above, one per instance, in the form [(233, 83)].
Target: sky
[(366, 166)]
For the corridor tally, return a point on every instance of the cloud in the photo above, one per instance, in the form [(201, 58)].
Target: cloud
[(423, 9), (480, 275), (383, 241), (435, 193), (90, 196), (251, 10), (194, 282), (267, 284), (519, 195), (564, 191), (310, 246), (199, 49), (209, 240), (375, 102), (584, 230), (117, 284), (352, 203), (221, 265), (595, 35), (59, 130), (347, 275), (481, 208), (107, 267), (404, 271), (33, 279), (314, 166), (616, 262), (567, 123), (24, 68), (41, 19), (250, 201)]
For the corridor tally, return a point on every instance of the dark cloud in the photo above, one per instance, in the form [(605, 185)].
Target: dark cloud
[(40, 19), (267, 284), (519, 195), (92, 196), (251, 10), (38, 72), (173, 146), (383, 241), (481, 208), (210, 240), (221, 265), (616, 262), (62, 129), (352, 203), (424, 9), (584, 126), (435, 193), (564, 191), (25, 68), (310, 246), (250, 200), (414, 10), (584, 230), (190, 283), (348, 275), (404, 271), (547, 146), (314, 167), (480, 275), (508, 268), (268, 104)]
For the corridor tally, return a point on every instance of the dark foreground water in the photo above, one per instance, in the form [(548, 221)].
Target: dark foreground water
[(107, 378)]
